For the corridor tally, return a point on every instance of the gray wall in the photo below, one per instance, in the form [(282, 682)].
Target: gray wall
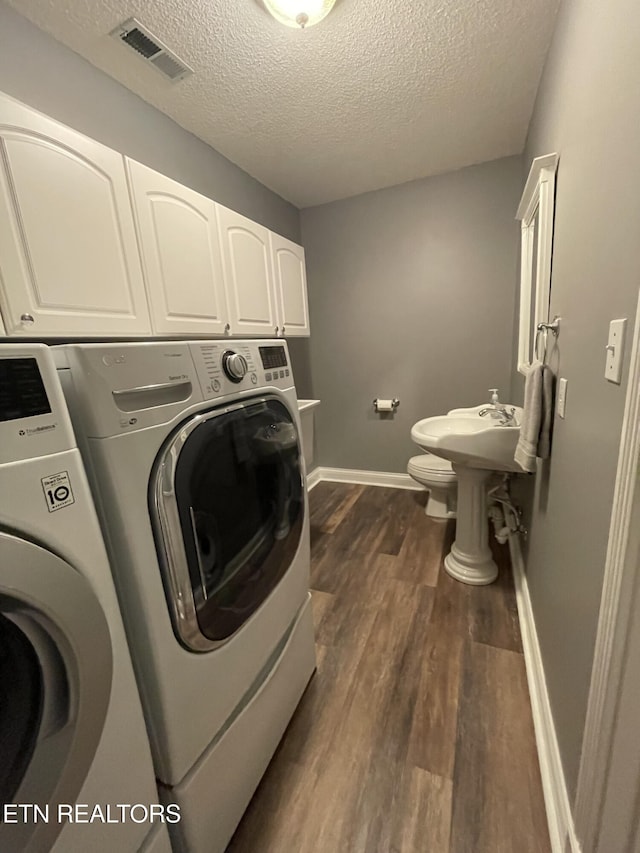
[(587, 110), (411, 295), (41, 72)]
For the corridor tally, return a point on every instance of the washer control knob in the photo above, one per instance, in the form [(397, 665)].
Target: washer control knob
[(234, 365)]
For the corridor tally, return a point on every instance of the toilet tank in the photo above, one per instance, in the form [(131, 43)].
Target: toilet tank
[(306, 407)]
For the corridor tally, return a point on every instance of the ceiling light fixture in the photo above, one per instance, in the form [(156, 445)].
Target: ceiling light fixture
[(299, 13)]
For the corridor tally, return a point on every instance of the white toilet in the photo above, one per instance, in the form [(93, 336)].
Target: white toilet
[(438, 477)]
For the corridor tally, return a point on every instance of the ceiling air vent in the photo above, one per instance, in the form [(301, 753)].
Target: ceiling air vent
[(151, 49)]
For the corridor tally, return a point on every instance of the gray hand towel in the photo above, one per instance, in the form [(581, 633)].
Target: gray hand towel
[(535, 429), (544, 439)]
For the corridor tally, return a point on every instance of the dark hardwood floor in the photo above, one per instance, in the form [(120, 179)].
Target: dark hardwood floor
[(415, 735)]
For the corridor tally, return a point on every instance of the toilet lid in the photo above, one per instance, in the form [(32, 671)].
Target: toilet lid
[(427, 464)]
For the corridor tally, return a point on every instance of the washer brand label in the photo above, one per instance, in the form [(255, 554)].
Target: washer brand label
[(37, 430), (57, 491)]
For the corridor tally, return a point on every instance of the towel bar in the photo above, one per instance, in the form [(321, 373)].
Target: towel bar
[(553, 327), (550, 327)]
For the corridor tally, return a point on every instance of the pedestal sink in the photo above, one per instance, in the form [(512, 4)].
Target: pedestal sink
[(476, 446)]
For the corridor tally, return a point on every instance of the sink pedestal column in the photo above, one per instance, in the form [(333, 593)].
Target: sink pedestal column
[(470, 559)]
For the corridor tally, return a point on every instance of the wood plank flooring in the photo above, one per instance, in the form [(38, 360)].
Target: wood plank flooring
[(415, 734)]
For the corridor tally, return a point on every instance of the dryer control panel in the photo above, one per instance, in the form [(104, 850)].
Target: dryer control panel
[(34, 420)]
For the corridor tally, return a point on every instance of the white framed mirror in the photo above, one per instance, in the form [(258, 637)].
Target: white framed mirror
[(536, 215)]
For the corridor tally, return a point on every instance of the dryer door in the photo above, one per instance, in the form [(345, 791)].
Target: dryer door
[(227, 501), (55, 684)]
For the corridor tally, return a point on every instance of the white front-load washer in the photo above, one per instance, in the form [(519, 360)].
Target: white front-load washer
[(73, 744), (193, 452)]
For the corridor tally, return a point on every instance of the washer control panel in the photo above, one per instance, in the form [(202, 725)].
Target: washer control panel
[(117, 388), (33, 416), (224, 367)]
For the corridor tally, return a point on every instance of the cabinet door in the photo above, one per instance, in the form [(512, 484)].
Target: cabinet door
[(69, 262), (246, 251), (291, 286), (180, 249)]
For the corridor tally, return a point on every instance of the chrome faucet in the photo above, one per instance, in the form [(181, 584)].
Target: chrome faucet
[(498, 410), (505, 415)]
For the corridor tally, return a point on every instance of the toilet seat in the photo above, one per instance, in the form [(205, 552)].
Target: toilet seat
[(433, 468)]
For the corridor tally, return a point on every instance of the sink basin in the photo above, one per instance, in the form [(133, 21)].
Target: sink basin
[(467, 439)]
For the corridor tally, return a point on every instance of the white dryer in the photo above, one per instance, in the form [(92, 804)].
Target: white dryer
[(193, 452), (72, 733)]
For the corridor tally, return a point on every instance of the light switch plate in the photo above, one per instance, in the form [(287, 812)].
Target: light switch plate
[(562, 397), (615, 351)]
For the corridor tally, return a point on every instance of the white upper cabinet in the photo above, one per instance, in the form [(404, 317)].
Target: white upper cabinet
[(69, 262), (248, 270), (181, 256), (80, 224), (291, 286)]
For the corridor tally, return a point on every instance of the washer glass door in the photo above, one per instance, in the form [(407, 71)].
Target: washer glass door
[(56, 669), (229, 503), (21, 688)]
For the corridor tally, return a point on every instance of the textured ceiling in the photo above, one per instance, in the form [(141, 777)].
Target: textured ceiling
[(381, 92)]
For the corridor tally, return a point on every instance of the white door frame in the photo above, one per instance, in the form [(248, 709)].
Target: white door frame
[(621, 570)]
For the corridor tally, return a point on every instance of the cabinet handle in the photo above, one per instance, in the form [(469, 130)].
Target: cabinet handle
[(27, 319), (277, 327), (283, 331), (227, 328)]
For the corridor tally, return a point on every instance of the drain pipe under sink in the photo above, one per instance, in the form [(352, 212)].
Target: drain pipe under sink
[(502, 512), (501, 529)]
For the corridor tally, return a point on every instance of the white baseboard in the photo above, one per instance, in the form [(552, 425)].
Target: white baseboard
[(365, 478), (559, 817), (313, 478)]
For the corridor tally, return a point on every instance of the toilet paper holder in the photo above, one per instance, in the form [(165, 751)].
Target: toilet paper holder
[(386, 405)]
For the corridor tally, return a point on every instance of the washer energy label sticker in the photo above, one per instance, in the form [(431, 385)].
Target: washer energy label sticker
[(57, 491)]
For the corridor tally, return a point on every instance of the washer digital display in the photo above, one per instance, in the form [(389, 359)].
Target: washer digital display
[(22, 391), (273, 357)]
